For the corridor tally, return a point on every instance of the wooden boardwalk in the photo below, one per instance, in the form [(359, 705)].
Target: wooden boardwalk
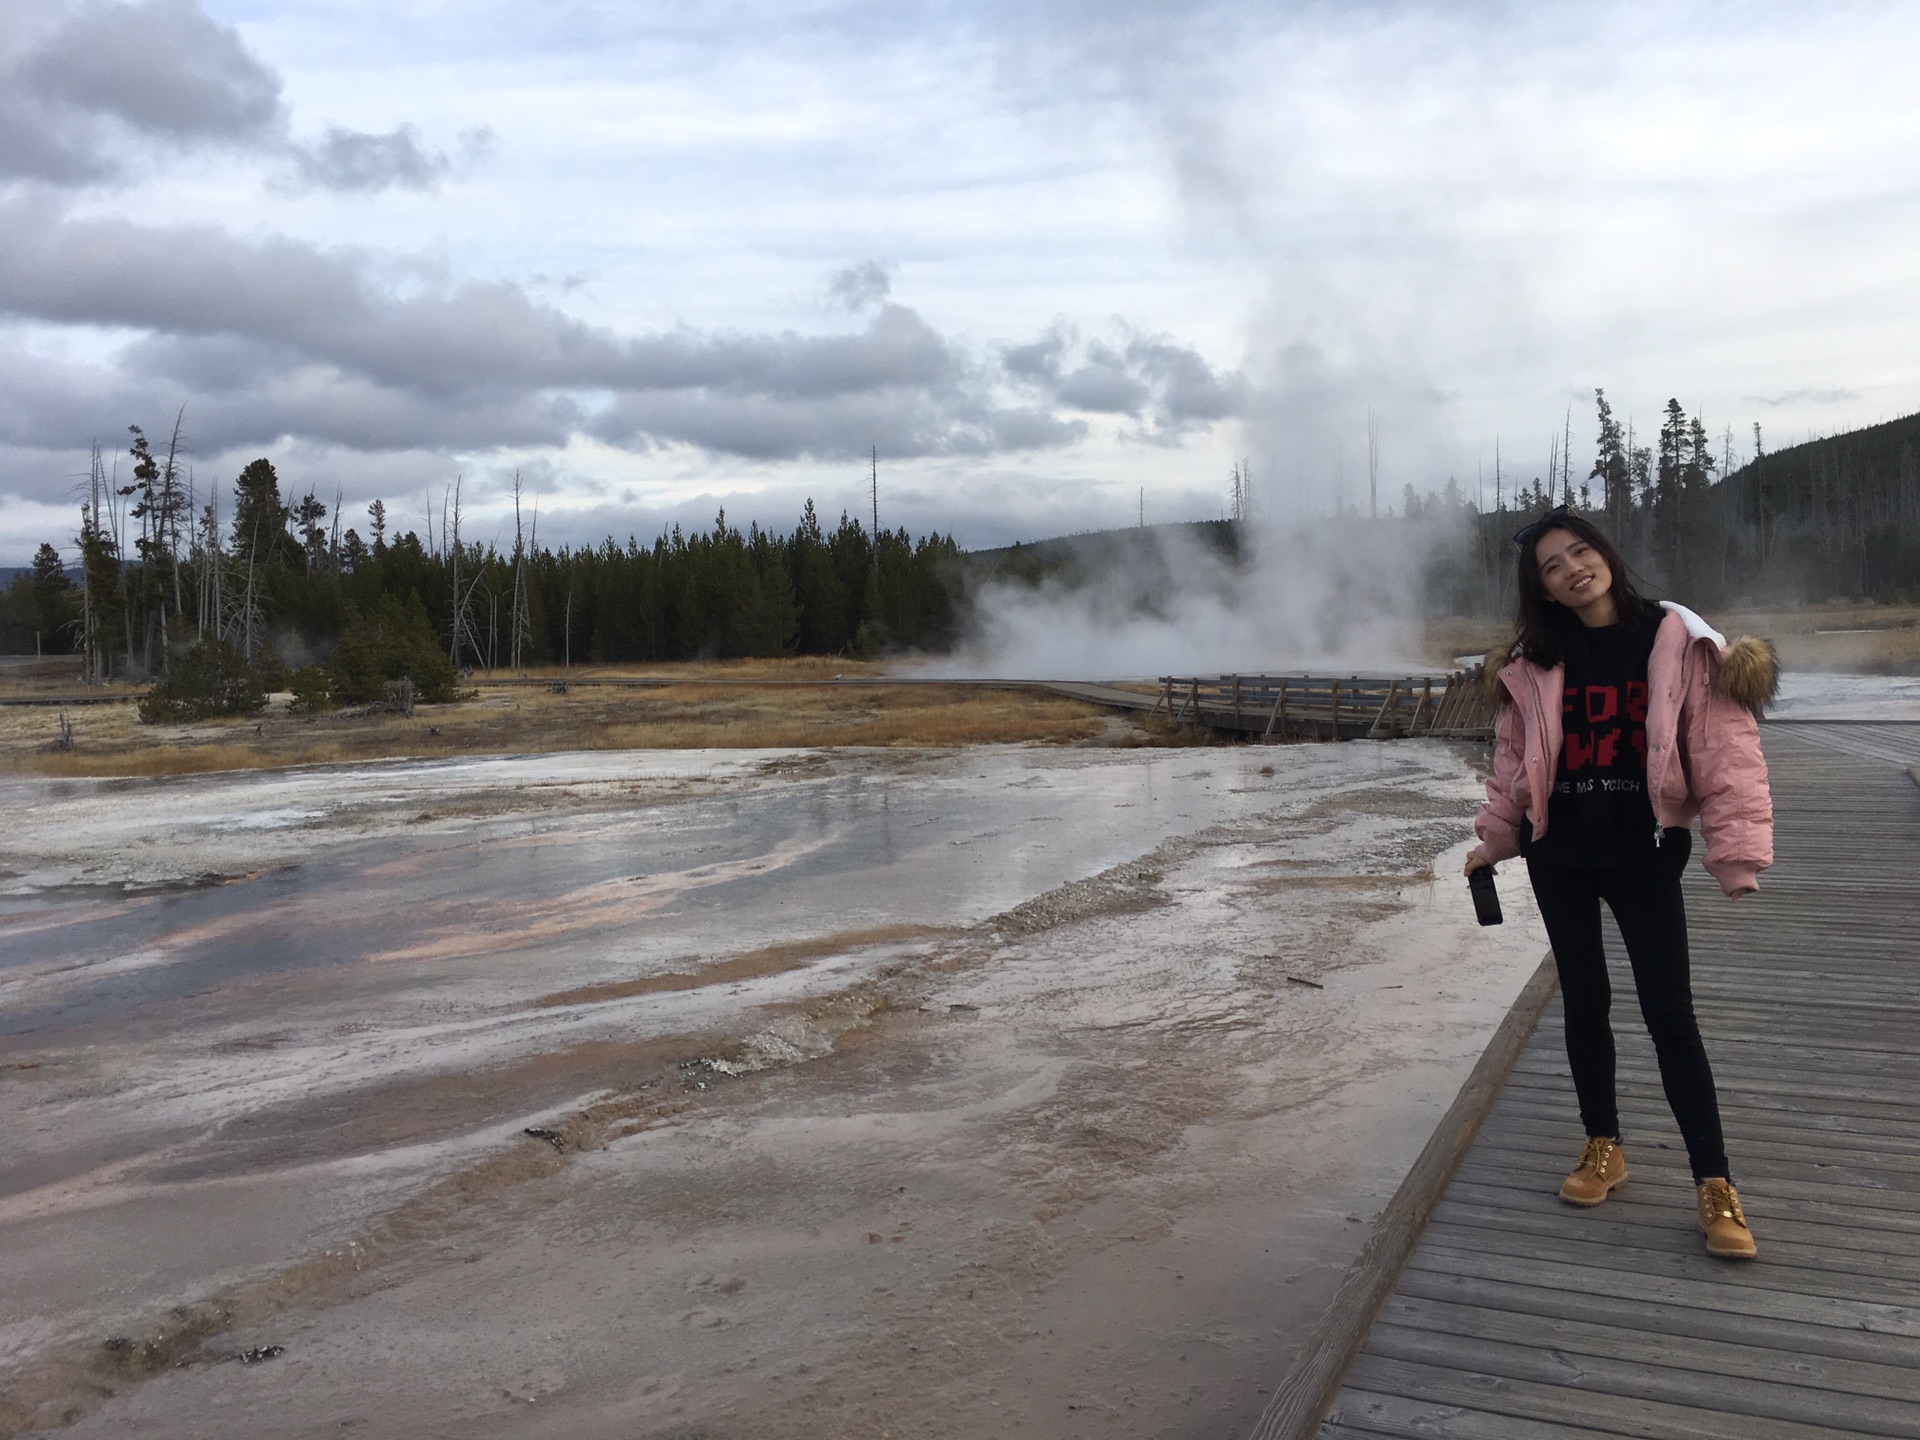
[(1517, 1316), (1330, 707)]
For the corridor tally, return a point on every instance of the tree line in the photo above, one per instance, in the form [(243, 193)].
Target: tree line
[(276, 587), (168, 585)]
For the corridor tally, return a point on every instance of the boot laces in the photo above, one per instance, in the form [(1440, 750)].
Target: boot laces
[(1721, 1202), (1595, 1155)]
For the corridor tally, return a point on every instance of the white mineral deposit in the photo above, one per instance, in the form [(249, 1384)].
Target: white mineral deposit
[(741, 1093)]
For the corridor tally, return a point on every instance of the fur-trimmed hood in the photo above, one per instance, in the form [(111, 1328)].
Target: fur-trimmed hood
[(1749, 672), (1748, 668)]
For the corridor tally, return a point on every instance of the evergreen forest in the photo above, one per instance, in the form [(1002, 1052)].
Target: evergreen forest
[(283, 588)]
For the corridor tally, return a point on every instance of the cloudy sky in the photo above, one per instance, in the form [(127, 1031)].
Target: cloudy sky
[(1043, 256)]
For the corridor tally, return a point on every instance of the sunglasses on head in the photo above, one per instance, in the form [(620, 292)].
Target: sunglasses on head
[(1529, 533)]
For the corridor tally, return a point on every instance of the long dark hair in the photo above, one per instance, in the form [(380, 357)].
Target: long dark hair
[(1546, 629)]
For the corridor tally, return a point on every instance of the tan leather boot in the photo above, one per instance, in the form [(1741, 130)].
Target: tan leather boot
[(1723, 1222), (1600, 1170)]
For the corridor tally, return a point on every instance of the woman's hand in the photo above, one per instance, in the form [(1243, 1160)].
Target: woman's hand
[(1744, 890), (1474, 861)]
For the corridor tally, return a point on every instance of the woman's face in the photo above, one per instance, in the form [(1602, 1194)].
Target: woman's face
[(1572, 572)]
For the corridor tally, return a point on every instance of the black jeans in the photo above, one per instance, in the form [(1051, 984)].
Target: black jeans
[(1645, 900)]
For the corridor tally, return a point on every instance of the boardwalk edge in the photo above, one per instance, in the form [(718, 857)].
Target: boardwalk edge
[(1302, 1400)]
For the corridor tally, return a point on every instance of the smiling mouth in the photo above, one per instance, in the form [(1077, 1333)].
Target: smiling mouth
[(1581, 584)]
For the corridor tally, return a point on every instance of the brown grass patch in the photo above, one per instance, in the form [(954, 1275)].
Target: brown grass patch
[(1848, 637), (732, 706), (1853, 637)]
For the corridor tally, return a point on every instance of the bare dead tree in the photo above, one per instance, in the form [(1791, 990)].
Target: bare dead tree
[(210, 571), (245, 620), (1566, 459), (92, 543), (1373, 464), (462, 623), (521, 621), (173, 503)]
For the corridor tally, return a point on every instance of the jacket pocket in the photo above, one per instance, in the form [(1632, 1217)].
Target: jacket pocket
[(1675, 849)]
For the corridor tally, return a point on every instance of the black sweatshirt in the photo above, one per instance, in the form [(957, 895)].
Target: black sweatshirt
[(1600, 813)]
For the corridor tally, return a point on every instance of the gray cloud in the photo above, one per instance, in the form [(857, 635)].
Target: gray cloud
[(85, 89), (271, 339), (860, 287), (82, 82), (351, 160), (322, 305), (1168, 388), (901, 423), (1798, 397)]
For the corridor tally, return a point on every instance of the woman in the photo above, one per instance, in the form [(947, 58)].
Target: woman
[(1621, 720)]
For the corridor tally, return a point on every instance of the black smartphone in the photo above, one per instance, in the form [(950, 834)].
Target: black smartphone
[(1486, 900)]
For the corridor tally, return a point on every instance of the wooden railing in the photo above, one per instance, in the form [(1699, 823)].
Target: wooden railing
[(1325, 707)]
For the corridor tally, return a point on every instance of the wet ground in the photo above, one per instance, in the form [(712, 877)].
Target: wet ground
[(1002, 1090)]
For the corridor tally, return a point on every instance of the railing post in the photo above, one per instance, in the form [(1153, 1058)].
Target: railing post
[(1279, 709), (1386, 712)]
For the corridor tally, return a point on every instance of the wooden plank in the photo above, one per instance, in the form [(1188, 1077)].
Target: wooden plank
[(1732, 1323), (1491, 1168), (1462, 1248), (1892, 1154), (1626, 1231), (1560, 1404), (1777, 1149), (1679, 1287), (1660, 1213), (1627, 1338), (1645, 1105), (1757, 1173), (1640, 1373), (1366, 1412)]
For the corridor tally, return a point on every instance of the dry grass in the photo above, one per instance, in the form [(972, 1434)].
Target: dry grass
[(730, 706), (1846, 636), (1861, 638), (1449, 637)]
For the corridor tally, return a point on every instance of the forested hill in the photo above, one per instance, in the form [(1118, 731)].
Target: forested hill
[(1074, 559), (1835, 516), (1881, 448)]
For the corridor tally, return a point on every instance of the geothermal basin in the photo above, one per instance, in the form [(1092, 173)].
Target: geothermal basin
[(1004, 1090)]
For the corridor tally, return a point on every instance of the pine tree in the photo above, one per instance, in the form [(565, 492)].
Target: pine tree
[(1668, 510), (260, 517), (1610, 468), (54, 601), (306, 517)]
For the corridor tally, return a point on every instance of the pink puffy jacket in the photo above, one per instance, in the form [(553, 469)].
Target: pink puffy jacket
[(1703, 746)]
